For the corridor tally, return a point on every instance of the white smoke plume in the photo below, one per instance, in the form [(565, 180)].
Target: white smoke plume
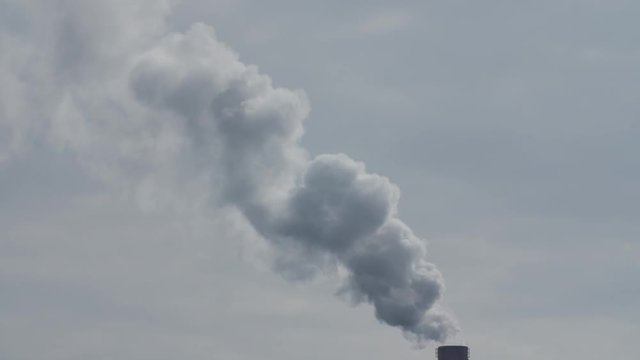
[(153, 112)]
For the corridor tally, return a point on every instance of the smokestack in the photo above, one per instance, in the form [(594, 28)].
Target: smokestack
[(453, 352)]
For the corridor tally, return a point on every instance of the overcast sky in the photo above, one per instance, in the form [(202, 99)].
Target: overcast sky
[(510, 127)]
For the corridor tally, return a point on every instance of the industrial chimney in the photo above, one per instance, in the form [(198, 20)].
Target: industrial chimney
[(453, 352)]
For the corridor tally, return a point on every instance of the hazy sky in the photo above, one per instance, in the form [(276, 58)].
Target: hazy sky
[(510, 127)]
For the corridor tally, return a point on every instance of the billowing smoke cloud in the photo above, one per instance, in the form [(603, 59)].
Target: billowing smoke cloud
[(182, 106)]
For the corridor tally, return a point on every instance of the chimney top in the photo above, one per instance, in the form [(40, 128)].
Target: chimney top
[(453, 352)]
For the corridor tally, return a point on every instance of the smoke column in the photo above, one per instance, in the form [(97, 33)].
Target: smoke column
[(180, 106)]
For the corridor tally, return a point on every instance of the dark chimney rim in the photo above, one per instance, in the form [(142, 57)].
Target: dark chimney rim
[(453, 347)]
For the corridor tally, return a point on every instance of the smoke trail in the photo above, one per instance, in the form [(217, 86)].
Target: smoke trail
[(207, 112), (323, 210)]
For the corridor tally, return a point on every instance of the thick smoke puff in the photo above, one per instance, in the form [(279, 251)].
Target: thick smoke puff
[(259, 128), (249, 128), (184, 72), (435, 325), (390, 271), (338, 203)]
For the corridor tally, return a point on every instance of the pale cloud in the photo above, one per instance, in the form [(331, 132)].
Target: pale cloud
[(384, 22)]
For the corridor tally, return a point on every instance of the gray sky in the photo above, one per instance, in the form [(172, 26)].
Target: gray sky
[(509, 126)]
